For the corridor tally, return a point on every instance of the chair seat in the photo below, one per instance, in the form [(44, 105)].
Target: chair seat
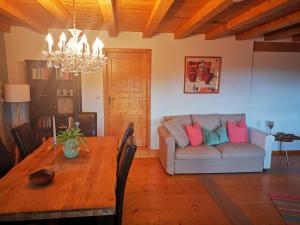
[(240, 150), (197, 152)]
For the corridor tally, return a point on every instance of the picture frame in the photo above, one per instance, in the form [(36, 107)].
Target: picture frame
[(202, 74)]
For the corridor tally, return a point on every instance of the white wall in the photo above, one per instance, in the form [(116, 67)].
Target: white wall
[(167, 76), (275, 93), (167, 70)]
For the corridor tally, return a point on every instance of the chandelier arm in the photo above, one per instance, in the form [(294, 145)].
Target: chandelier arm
[(74, 56)]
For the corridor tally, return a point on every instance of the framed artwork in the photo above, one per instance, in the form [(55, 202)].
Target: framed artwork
[(202, 74)]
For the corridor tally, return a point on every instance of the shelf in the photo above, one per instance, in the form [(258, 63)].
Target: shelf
[(51, 96), (65, 96)]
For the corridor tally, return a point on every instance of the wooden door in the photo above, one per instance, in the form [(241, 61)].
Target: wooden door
[(127, 93)]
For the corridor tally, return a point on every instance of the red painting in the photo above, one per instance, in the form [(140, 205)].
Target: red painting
[(202, 74)]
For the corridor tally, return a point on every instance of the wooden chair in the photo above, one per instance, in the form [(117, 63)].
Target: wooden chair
[(25, 139), (125, 162), (88, 123), (126, 159), (128, 132), (6, 162)]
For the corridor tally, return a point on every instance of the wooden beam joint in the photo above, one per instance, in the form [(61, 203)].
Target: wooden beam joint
[(56, 9), (256, 13), (207, 12), (109, 12), (160, 9), (14, 13)]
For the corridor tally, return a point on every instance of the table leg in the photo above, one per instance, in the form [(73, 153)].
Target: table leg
[(280, 148), (286, 155)]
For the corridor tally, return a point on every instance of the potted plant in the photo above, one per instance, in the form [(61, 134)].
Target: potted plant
[(71, 138)]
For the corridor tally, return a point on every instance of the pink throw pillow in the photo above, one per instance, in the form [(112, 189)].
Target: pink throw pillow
[(194, 133), (237, 132)]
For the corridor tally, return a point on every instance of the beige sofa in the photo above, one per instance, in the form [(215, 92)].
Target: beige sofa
[(224, 158)]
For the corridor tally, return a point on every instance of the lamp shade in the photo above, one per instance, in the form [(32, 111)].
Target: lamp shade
[(16, 92)]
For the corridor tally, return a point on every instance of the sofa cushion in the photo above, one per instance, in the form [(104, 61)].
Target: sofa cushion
[(232, 117), (209, 121), (194, 133), (177, 130), (237, 131), (183, 120), (215, 137), (197, 152), (240, 150)]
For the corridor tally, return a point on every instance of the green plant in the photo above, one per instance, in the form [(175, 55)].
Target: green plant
[(71, 137)]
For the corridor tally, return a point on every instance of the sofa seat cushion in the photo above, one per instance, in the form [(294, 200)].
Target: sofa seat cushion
[(197, 152), (240, 150)]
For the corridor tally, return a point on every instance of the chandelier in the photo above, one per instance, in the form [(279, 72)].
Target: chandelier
[(74, 56)]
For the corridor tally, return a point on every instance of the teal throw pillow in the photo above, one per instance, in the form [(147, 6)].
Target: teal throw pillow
[(222, 132), (210, 137), (215, 137)]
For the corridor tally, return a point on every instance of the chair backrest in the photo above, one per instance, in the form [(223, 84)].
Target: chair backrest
[(5, 160), (126, 159), (128, 132), (88, 123), (25, 139)]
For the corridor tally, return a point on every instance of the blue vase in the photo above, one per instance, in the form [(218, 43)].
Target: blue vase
[(71, 148)]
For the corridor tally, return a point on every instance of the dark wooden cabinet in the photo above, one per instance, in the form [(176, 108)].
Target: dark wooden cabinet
[(52, 93)]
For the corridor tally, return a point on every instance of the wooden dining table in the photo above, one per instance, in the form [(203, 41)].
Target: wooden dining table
[(83, 186)]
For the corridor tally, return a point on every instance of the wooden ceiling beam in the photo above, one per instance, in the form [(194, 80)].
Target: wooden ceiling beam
[(15, 13), (208, 11), (160, 9), (4, 27), (56, 9), (283, 33), (254, 14), (276, 47), (296, 37), (276, 24), (109, 12)]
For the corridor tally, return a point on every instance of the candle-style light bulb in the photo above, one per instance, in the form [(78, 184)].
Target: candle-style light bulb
[(101, 45), (63, 38), (96, 47), (84, 39), (50, 42), (60, 45)]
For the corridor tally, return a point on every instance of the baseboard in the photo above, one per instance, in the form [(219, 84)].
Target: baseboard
[(290, 152), (143, 152)]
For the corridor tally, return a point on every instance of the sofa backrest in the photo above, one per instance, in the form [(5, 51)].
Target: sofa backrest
[(231, 117), (209, 121), (182, 119)]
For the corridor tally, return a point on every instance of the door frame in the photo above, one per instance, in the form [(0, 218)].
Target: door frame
[(148, 92)]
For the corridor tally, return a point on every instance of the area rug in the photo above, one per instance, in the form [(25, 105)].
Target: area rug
[(288, 206)]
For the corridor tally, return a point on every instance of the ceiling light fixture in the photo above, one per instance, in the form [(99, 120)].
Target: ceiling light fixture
[(74, 56)]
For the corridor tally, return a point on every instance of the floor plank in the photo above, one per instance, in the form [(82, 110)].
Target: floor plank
[(153, 197)]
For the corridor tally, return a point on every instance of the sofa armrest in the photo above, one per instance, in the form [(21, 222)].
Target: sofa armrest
[(166, 152), (264, 141)]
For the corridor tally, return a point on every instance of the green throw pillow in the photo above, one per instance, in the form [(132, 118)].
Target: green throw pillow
[(215, 137)]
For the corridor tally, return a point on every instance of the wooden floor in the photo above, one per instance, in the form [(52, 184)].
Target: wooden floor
[(152, 197)]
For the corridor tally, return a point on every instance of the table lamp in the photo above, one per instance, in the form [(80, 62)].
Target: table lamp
[(17, 93)]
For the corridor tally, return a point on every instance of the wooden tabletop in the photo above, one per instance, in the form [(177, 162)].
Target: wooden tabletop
[(82, 187), (283, 137)]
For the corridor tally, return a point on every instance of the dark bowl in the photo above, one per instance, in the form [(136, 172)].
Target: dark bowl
[(42, 177)]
